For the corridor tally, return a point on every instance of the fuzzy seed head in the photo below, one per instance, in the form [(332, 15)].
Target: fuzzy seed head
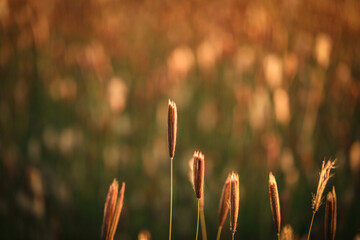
[(234, 201), (191, 178), (330, 215), (324, 178), (224, 202), (112, 210), (198, 173), (172, 127), (274, 202)]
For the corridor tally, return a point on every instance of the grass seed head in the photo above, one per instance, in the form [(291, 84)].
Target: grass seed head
[(172, 127), (324, 178), (198, 173), (274, 202), (112, 210), (330, 215), (224, 202), (234, 201)]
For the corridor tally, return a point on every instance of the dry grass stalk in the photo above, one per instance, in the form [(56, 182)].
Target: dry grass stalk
[(201, 200), (172, 127), (112, 210), (274, 202), (330, 215), (201, 204), (287, 233), (198, 173), (324, 177), (224, 202), (234, 201), (202, 218)]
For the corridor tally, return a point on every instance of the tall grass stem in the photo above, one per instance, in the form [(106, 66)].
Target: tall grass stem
[(197, 224), (171, 195), (312, 219), (203, 225), (218, 233)]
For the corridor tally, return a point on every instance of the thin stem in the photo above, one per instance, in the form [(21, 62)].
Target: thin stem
[(233, 236), (203, 225), (197, 224), (312, 219), (171, 195), (218, 233), (278, 235)]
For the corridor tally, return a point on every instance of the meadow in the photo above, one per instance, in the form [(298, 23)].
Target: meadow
[(259, 86)]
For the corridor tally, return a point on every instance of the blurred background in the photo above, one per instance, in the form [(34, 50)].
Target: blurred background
[(260, 86)]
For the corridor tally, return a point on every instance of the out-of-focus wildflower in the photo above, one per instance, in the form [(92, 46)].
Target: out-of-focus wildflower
[(257, 21), (207, 53), (282, 106), (144, 235), (244, 59), (117, 91), (69, 139), (273, 71), (287, 233), (97, 60), (323, 49), (259, 108), (180, 61)]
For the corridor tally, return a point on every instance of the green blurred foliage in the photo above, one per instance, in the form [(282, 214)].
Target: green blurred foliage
[(260, 86)]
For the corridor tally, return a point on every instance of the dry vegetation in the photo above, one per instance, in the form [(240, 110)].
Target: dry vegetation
[(260, 86)]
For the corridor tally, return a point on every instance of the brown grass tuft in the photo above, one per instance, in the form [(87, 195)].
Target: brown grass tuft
[(274, 202), (112, 210), (198, 173), (330, 215), (172, 127), (224, 202), (324, 177), (234, 201)]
